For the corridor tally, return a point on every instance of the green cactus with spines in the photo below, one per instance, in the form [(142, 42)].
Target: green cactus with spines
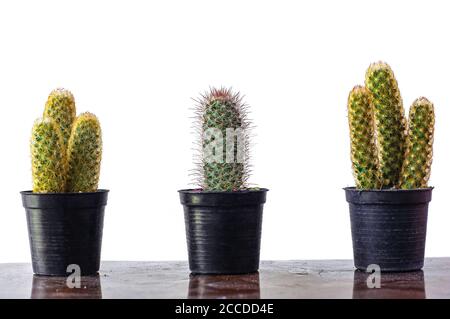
[(66, 150), (60, 107), (221, 109), (48, 157), (419, 145), (84, 154), (402, 150), (390, 123), (364, 153)]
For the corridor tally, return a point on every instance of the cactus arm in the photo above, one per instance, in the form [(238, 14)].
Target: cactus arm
[(60, 107), (362, 135), (84, 154), (390, 122), (48, 157), (419, 146)]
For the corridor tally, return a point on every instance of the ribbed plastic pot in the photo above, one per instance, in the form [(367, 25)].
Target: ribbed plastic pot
[(389, 227), (65, 229), (223, 230)]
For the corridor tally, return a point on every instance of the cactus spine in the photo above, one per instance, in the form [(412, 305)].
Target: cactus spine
[(390, 121), (384, 152), (223, 111), (48, 157), (60, 107), (65, 152), (362, 135), (419, 145), (84, 154)]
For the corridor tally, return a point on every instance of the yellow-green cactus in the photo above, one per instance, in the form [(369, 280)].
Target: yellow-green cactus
[(390, 121), (404, 149), (362, 135), (60, 107), (48, 157), (84, 154), (66, 151), (419, 145)]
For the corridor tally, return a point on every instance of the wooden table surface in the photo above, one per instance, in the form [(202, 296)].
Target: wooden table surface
[(276, 279)]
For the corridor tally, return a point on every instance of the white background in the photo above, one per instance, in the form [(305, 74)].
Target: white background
[(137, 64)]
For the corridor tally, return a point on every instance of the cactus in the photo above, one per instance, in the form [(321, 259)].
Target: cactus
[(362, 135), (84, 153), (390, 123), (223, 112), (384, 153), (419, 145), (65, 151), (60, 107), (48, 157)]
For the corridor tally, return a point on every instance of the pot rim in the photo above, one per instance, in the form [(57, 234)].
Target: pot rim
[(241, 191), (194, 197), (32, 200), (31, 193), (388, 196), (388, 190)]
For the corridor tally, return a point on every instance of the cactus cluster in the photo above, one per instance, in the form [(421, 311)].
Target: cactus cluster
[(386, 150), (223, 127), (66, 150)]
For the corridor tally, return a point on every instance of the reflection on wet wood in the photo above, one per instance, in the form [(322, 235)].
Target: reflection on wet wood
[(408, 285), (224, 286), (276, 279), (45, 287)]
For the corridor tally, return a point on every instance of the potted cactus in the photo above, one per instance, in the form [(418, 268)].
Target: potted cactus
[(391, 160), (223, 216), (65, 209)]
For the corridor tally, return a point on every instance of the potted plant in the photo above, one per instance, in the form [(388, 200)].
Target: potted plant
[(391, 160), (65, 210), (223, 216)]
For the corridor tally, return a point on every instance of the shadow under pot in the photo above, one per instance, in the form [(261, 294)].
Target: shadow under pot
[(223, 230), (65, 229), (389, 227)]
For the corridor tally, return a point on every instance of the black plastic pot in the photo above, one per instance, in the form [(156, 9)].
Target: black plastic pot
[(223, 230), (389, 227), (65, 229)]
